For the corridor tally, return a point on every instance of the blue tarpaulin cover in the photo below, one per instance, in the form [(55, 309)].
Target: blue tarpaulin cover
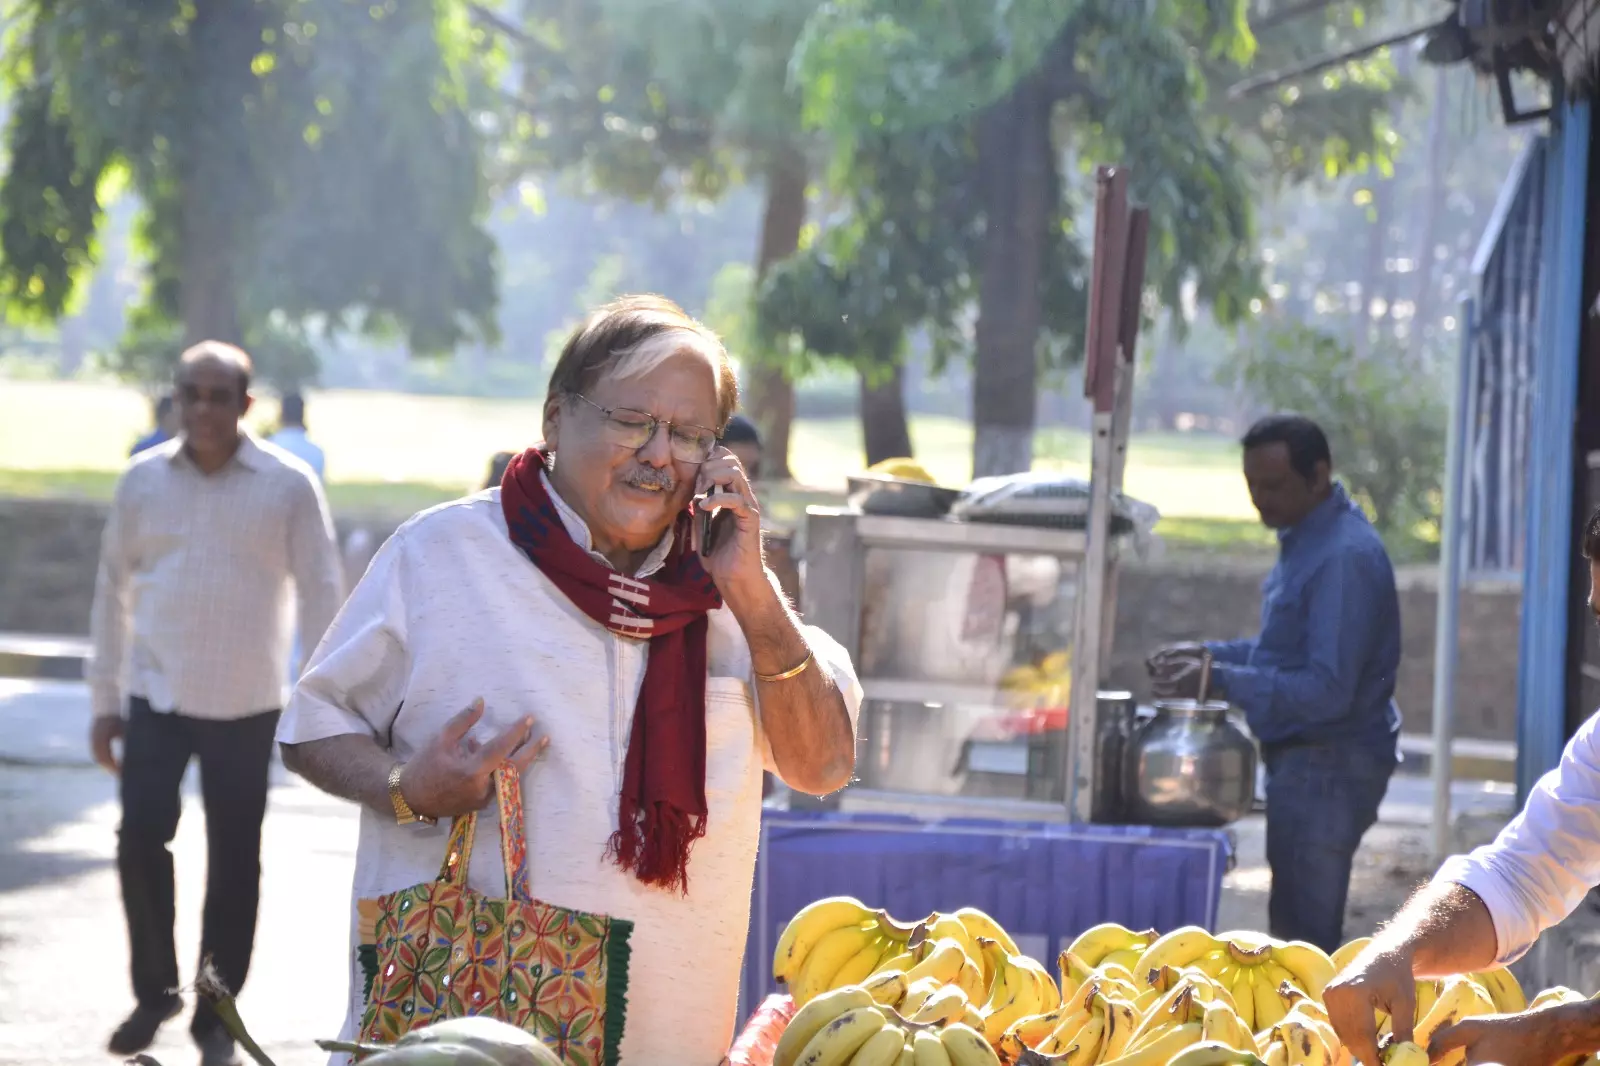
[(1044, 882)]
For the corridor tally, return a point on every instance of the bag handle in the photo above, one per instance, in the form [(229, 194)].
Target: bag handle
[(513, 844)]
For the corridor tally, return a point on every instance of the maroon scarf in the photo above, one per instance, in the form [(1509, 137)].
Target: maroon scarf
[(663, 802)]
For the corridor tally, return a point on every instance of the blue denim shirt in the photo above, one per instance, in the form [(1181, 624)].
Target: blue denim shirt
[(1323, 669)]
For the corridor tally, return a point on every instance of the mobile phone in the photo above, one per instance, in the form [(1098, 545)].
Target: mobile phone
[(713, 525)]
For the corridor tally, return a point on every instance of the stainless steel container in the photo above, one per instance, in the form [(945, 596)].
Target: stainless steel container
[(1114, 716), (1189, 765)]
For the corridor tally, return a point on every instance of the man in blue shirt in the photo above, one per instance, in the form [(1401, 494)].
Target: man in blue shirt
[(292, 436), (1317, 684), (166, 427)]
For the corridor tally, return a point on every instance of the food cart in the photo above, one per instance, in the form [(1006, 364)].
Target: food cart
[(989, 756)]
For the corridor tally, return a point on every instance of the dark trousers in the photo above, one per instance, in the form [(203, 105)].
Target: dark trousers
[(234, 757), (1320, 800)]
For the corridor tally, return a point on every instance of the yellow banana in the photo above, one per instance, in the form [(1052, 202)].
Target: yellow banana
[(948, 1004), (1031, 1030), (1348, 952), (896, 956), (1178, 948), (1214, 1053), (809, 926), (1121, 1023), (1308, 967), (1299, 1041), (1427, 996), (1085, 1047), (1404, 1053), (908, 1057), (1275, 1054), (973, 1017), (887, 987), (1554, 994), (1504, 989), (1125, 959), (927, 1050), (842, 1037), (809, 1020), (1049, 994), (941, 960), (1214, 963), (1095, 943), (860, 966), (882, 1048), (1244, 996), (1074, 972), (1247, 939), (1178, 1008), (978, 924), (917, 994), (1222, 1024), (1269, 1006), (1159, 1051), (1460, 997), (827, 959), (970, 980), (967, 1047), (949, 927)]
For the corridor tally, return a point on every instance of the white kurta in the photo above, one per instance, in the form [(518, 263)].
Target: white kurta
[(450, 610)]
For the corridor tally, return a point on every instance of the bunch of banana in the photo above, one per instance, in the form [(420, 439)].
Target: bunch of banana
[(1302, 1037), (1502, 987), (1404, 1053), (836, 942), (1087, 1028), (1110, 944), (1021, 988), (1174, 1024), (1459, 997), (846, 1027)]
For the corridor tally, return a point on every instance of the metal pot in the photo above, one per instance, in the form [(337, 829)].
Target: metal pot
[(1189, 765)]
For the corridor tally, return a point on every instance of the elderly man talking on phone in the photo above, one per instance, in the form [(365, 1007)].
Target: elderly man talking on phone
[(1486, 909), (573, 622)]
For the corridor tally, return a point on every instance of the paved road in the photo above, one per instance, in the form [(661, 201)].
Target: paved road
[(63, 946)]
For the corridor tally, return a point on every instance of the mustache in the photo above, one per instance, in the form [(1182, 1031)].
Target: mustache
[(646, 477)]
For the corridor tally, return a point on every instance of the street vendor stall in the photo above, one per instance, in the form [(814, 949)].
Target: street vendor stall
[(993, 768)]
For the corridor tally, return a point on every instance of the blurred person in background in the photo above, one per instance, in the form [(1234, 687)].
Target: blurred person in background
[(497, 469), (208, 534), (576, 600), (743, 439), (1317, 684), (292, 436), (165, 429)]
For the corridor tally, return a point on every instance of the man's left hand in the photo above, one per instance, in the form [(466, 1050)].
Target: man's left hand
[(1539, 1037), (735, 563), (1179, 681)]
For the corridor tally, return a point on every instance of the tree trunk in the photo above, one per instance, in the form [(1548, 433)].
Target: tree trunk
[(1432, 198), (885, 430), (1018, 191), (208, 298), (770, 393)]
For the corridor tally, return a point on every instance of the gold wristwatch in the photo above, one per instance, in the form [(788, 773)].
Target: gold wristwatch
[(403, 813)]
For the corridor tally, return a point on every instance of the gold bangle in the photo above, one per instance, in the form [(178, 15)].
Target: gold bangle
[(787, 674)]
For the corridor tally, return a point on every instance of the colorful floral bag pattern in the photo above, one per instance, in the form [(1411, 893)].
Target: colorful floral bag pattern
[(440, 950)]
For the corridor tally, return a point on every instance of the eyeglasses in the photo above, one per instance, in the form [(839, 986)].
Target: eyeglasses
[(634, 429)]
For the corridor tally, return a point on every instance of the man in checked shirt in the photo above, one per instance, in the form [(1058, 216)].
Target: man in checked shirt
[(211, 536)]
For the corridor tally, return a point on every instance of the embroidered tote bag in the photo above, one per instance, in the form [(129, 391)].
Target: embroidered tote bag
[(440, 950)]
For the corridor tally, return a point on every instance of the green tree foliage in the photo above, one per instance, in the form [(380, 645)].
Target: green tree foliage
[(298, 161), (1029, 96), (1387, 436)]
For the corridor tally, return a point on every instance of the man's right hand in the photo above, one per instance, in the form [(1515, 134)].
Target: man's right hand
[(102, 731), (454, 774), (1382, 978)]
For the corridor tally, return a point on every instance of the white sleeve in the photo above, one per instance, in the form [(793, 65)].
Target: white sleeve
[(356, 679), (830, 655), (1546, 860)]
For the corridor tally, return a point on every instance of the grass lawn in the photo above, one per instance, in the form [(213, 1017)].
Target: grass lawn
[(396, 453)]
